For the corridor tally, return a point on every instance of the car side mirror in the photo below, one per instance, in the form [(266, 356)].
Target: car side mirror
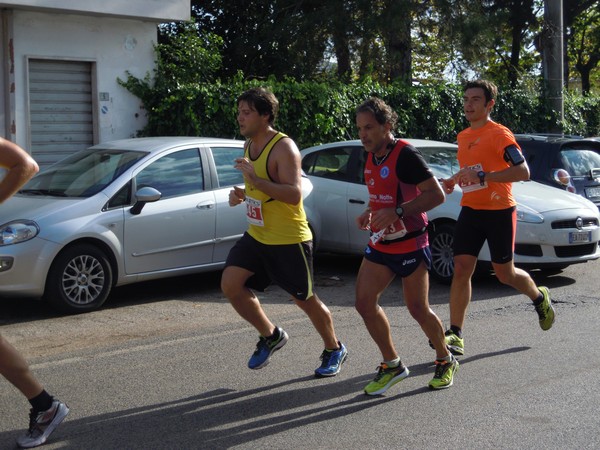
[(144, 195)]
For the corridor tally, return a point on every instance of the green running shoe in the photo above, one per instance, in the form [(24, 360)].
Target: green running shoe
[(444, 374), (386, 377), (455, 344), (545, 310)]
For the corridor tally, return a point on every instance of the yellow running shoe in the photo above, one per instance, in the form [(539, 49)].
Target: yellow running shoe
[(545, 310), (455, 344), (444, 374), (386, 377)]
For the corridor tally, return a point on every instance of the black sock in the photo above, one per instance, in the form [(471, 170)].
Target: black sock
[(539, 300), (456, 330), (41, 402), (275, 335)]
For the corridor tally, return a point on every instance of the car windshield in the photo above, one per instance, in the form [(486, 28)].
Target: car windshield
[(441, 160), (82, 174), (578, 161)]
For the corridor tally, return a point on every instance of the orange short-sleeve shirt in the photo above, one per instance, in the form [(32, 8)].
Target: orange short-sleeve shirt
[(483, 149)]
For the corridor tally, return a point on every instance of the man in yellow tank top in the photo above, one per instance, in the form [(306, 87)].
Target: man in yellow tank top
[(278, 244), (490, 161)]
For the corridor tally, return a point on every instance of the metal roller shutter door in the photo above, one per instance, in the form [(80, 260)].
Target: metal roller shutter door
[(60, 108)]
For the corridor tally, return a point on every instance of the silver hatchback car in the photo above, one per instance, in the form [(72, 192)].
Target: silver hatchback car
[(117, 213)]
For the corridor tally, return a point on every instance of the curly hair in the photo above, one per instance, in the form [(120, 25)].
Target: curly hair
[(382, 112)]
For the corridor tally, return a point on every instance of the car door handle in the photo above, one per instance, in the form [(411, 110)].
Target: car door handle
[(205, 205), (357, 201)]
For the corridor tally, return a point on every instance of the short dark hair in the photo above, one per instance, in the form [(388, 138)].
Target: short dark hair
[(490, 90), (382, 112), (262, 100)]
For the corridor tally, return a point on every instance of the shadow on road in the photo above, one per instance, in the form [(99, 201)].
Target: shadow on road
[(225, 418)]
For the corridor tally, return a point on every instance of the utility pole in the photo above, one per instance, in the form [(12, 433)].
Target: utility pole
[(553, 58)]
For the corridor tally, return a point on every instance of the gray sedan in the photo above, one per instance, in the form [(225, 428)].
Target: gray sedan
[(117, 213)]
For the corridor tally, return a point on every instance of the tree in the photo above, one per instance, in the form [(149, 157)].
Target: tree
[(583, 34)]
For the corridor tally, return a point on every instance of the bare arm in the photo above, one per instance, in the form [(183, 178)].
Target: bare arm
[(284, 168), (510, 174), (431, 196), (21, 168)]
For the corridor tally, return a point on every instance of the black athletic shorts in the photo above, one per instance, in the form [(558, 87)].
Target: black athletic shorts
[(475, 226), (402, 264), (290, 266)]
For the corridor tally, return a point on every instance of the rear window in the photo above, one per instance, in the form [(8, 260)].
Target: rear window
[(578, 161), (441, 160)]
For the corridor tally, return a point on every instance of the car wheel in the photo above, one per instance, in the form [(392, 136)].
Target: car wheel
[(79, 279), (441, 238)]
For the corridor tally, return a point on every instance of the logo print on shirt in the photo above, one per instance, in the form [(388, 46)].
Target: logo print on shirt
[(474, 143), (384, 172)]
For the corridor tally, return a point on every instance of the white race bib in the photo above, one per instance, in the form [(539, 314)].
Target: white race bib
[(254, 212), (470, 187)]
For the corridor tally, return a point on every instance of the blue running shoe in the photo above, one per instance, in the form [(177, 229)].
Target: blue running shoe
[(266, 347), (332, 362)]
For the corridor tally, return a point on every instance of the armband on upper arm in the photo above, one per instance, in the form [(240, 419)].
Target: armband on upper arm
[(513, 155)]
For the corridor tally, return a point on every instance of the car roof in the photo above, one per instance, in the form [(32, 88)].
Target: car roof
[(414, 142), (547, 137), (159, 143)]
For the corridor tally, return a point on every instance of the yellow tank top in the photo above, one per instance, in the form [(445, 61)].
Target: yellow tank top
[(272, 221)]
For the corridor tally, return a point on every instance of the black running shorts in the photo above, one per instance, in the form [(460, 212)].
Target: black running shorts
[(475, 226), (290, 266)]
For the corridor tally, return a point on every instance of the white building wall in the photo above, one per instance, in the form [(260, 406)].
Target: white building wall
[(115, 46), (155, 10)]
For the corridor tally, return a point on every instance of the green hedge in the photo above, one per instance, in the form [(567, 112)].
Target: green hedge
[(314, 112)]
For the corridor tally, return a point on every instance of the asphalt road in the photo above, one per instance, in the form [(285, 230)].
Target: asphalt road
[(163, 366)]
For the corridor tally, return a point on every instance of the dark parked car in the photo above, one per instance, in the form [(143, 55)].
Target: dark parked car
[(569, 163)]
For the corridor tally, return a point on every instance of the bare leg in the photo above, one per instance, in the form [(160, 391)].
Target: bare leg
[(320, 316), (371, 281), (416, 290), (243, 299), (508, 274), (16, 370), (460, 290)]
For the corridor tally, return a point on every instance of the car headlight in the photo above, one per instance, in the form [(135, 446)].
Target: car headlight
[(18, 231), (529, 215)]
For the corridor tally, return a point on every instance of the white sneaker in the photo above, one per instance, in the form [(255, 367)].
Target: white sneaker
[(42, 424)]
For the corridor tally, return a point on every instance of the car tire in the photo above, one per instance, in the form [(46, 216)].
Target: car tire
[(79, 279), (441, 239)]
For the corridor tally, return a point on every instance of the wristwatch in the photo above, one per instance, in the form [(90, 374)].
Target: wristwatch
[(481, 175), (400, 211)]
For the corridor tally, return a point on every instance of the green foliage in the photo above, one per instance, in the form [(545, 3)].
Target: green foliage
[(182, 99), (317, 112), (582, 115), (188, 56)]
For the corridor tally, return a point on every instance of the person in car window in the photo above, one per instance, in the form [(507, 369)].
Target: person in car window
[(46, 411), (277, 246), (489, 160), (401, 189)]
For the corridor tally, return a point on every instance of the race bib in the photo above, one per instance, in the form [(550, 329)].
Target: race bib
[(470, 187), (254, 212), (394, 231)]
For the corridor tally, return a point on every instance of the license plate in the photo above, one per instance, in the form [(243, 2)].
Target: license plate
[(579, 237), (592, 192)]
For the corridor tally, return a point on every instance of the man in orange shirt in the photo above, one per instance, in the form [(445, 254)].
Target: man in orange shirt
[(490, 161)]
